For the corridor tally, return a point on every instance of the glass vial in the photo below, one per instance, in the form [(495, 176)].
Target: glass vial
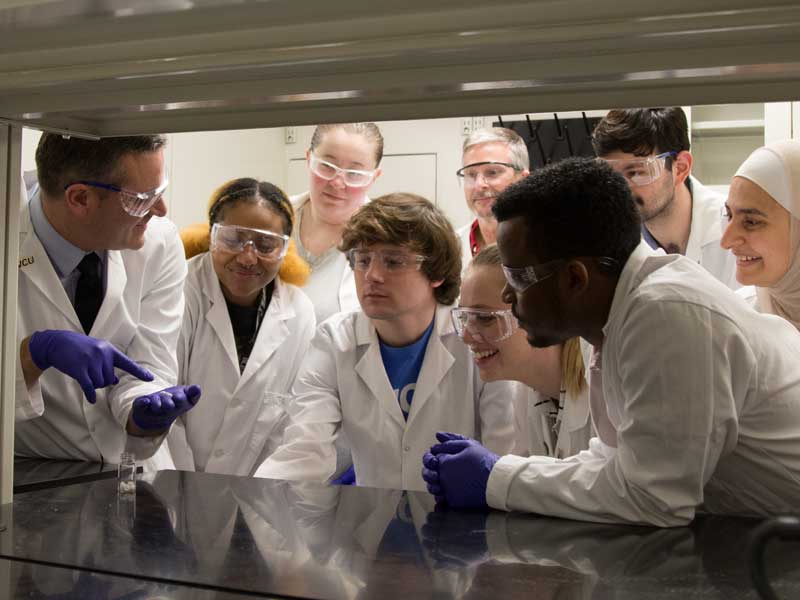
[(126, 474)]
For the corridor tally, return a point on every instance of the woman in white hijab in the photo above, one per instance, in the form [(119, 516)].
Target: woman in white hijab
[(763, 231)]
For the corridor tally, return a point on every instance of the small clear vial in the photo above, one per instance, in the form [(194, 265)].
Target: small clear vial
[(126, 474)]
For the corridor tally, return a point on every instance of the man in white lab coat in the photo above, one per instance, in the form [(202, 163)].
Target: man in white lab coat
[(694, 396), (650, 148), (392, 374), (100, 303), (491, 159)]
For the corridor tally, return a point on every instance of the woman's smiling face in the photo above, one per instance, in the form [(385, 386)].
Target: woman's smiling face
[(758, 234), (500, 360)]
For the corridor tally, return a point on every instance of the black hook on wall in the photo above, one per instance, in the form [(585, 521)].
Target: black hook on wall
[(534, 133), (586, 125)]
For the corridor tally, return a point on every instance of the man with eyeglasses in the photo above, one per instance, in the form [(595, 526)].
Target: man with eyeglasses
[(649, 147), (100, 304), (492, 159), (694, 396), (391, 375)]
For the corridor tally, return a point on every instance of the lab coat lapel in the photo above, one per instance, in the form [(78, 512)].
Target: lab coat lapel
[(217, 314), (371, 370), (272, 333), (35, 265), (436, 364), (116, 280)]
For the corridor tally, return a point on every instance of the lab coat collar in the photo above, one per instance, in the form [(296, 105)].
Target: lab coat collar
[(435, 365), (217, 314), (36, 266), (629, 279), (706, 227), (273, 331)]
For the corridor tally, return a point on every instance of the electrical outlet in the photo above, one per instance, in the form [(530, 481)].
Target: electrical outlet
[(290, 134), (466, 125), (478, 123)]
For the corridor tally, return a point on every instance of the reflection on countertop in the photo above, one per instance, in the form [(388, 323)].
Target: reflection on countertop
[(194, 535)]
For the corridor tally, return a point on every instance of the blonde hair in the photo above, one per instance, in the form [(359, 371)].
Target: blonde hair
[(369, 131), (197, 238), (572, 367)]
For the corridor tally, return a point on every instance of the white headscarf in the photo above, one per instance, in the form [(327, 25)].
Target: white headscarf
[(775, 168)]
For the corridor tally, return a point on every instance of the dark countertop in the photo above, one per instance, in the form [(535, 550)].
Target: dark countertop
[(281, 539)]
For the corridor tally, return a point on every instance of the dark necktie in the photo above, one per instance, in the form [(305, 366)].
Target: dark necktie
[(89, 291)]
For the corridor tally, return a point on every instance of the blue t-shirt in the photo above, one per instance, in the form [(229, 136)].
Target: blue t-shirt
[(402, 365)]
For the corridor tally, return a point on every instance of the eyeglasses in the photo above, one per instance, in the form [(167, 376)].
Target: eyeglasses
[(268, 245), (484, 325), (352, 177), (492, 172), (136, 204), (521, 278), (641, 171), (391, 262)]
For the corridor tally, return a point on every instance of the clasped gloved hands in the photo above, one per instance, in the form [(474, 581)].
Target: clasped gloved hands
[(457, 470), (158, 410), (89, 361)]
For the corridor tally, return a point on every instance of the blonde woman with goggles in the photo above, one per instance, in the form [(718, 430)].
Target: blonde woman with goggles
[(763, 229), (343, 162), (245, 331), (551, 406)]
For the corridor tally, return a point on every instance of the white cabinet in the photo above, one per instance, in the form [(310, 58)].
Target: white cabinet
[(724, 135)]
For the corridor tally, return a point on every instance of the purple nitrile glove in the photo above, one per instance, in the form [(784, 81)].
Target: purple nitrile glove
[(89, 361), (430, 474), (346, 478), (464, 468), (159, 409)]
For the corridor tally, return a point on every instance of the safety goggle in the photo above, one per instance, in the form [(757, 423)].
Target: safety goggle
[(491, 171), (328, 171), (268, 245), (136, 204), (390, 262), (521, 278), (641, 171), (484, 325)]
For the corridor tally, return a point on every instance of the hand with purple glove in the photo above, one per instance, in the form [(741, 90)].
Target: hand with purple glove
[(89, 361), (460, 471), (157, 411)]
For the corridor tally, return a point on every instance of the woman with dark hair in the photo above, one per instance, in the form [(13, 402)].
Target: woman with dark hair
[(245, 329)]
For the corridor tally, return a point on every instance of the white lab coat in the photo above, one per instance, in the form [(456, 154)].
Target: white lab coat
[(534, 436), (466, 249), (348, 299), (702, 407), (238, 422), (342, 386), (140, 315), (706, 232)]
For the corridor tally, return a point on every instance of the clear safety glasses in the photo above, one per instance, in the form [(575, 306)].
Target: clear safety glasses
[(326, 170), (390, 262), (484, 325), (641, 171), (491, 172), (268, 245), (521, 278), (136, 204)]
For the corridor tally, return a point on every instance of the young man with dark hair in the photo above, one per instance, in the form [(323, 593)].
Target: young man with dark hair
[(694, 396), (650, 148), (389, 376), (100, 288)]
